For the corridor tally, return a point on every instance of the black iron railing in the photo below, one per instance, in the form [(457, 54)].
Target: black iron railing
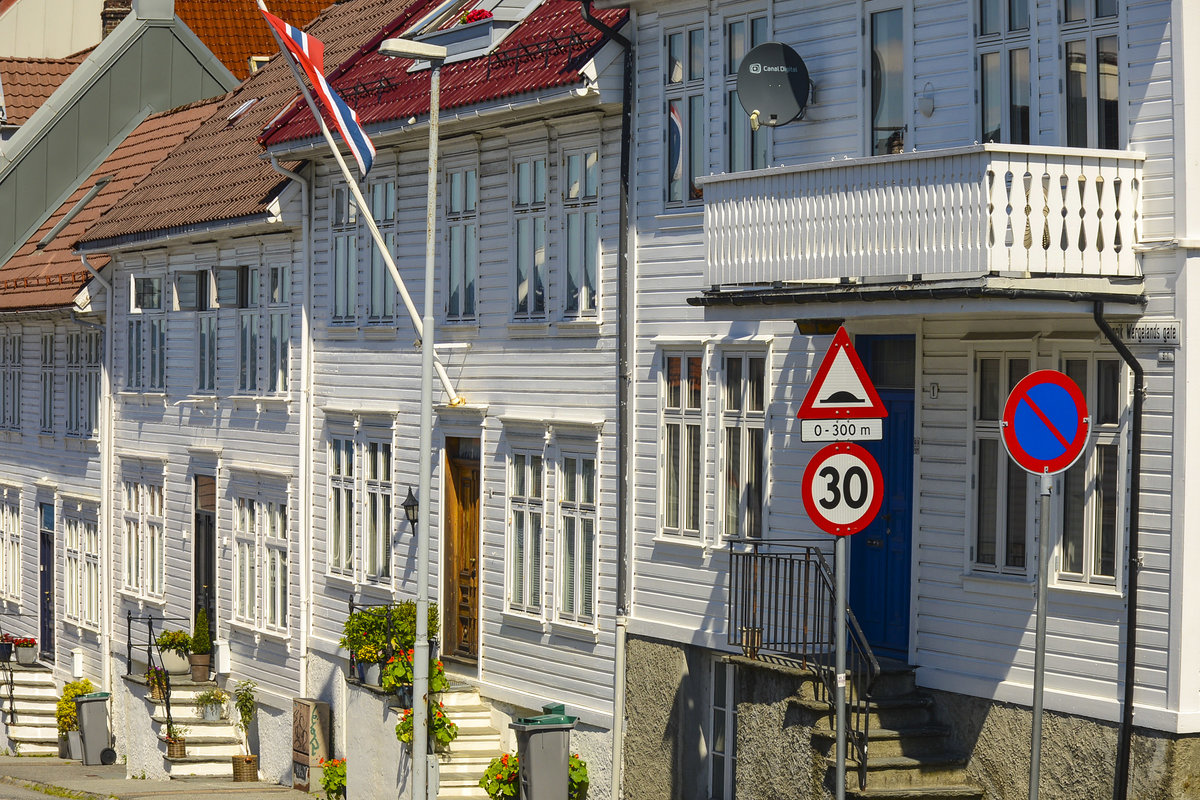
[(6, 674), (781, 602), (142, 635)]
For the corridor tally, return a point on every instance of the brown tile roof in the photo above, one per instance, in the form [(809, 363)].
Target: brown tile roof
[(28, 82), (218, 173), (52, 276), (234, 30)]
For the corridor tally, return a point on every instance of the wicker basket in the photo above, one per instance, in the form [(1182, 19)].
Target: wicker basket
[(245, 768), (176, 748)]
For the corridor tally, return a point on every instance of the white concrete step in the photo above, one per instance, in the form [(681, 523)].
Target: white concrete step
[(36, 748), (198, 766), (34, 733)]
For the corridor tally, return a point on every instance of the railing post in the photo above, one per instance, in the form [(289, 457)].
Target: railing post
[(128, 642)]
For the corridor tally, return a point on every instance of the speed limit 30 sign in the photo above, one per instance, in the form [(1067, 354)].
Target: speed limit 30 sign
[(842, 488)]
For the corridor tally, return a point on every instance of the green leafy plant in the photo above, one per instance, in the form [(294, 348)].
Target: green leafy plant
[(577, 778), (201, 635), (333, 778), (365, 632), (178, 642), (65, 712), (156, 678), (215, 697), (176, 732), (244, 701), (441, 729), (502, 777), (399, 671)]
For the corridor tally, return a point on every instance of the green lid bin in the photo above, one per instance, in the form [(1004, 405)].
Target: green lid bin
[(543, 751), (92, 710)]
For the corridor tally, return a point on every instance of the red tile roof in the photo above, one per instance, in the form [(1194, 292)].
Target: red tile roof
[(234, 30), (52, 276), (545, 51), (28, 82)]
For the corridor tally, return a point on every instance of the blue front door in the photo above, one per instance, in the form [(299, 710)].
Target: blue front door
[(881, 555)]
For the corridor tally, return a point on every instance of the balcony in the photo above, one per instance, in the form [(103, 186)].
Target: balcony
[(1009, 210)]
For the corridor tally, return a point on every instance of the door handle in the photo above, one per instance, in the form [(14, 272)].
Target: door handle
[(875, 541)]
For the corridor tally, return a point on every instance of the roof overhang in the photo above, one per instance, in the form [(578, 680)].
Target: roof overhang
[(265, 222)]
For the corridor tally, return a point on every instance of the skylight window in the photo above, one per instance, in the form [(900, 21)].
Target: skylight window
[(242, 109), (469, 28)]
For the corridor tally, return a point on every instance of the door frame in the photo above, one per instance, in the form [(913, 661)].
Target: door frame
[(47, 548), (449, 585), (196, 544)]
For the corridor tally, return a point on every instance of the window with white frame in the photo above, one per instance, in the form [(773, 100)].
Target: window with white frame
[(248, 328), (686, 109), (245, 565), (361, 503), (264, 315), (261, 562), (83, 382), (146, 365), (343, 295), (278, 334), (1093, 488), (887, 78), (194, 291), (341, 505), (681, 392), (143, 544), (743, 414), (381, 289), (581, 196), (10, 380), (1092, 82), (747, 149), (1002, 490), (577, 538), (462, 214), (527, 511), (377, 496), (81, 538), (10, 543), (1002, 46), (529, 210), (46, 417), (722, 732)]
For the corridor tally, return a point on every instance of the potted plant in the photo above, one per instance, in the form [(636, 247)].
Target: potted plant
[(156, 681), (201, 655), (176, 743), (212, 704), (174, 646), (67, 717), (6, 647), (245, 767), (373, 633), (333, 778), (26, 650), (441, 730)]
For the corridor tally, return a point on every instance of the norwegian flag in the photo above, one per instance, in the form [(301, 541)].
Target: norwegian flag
[(309, 53)]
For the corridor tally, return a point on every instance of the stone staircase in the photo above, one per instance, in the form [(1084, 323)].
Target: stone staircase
[(909, 755), (29, 719), (209, 744), (460, 769)]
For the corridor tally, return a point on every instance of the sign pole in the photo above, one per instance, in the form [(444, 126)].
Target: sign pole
[(839, 639), (1039, 653)]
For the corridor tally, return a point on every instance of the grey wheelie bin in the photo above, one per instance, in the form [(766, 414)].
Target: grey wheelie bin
[(92, 710), (544, 748)]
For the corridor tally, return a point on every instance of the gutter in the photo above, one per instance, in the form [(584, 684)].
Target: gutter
[(1125, 736), (842, 294), (167, 235), (626, 312)]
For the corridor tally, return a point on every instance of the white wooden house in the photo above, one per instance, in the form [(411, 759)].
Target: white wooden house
[(970, 183)]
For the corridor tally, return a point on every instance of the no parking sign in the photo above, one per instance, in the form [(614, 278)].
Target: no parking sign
[(1045, 422)]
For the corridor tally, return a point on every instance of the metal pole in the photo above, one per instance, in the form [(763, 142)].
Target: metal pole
[(839, 644), (1039, 652), (421, 646)]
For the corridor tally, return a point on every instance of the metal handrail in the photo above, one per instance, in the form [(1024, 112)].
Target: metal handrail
[(153, 652), (783, 603), (9, 678)]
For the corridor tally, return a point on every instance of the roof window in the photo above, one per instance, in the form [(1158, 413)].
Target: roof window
[(469, 28)]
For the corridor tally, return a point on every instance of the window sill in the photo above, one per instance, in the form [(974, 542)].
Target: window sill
[(250, 629), (143, 398), (688, 542), (517, 620), (584, 326), (998, 585), (82, 628), (1087, 589), (345, 580), (261, 402), (690, 215), (80, 442), (340, 330), (573, 630), (209, 400), (533, 327), (141, 599), (380, 331)]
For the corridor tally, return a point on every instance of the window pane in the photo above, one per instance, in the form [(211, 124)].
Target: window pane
[(985, 533), (1108, 388), (693, 394), (989, 388), (733, 383), (524, 183), (1106, 8), (674, 378), (758, 31), (671, 518), (675, 58), (887, 79), (1077, 87), (733, 480), (1105, 545), (1018, 96), (693, 478), (754, 482), (1018, 15), (1017, 368), (674, 151), (1107, 127), (989, 16), (1014, 550), (588, 479), (736, 39), (756, 394), (570, 484), (739, 128), (1076, 10), (1074, 486), (991, 83), (1077, 370), (695, 54), (696, 148)]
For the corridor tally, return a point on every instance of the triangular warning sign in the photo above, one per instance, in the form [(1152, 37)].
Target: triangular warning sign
[(841, 389)]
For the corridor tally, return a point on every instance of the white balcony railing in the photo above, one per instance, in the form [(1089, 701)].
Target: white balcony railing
[(962, 212)]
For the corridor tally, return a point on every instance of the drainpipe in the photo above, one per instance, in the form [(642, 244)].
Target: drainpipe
[(1124, 740), (305, 462), (625, 318)]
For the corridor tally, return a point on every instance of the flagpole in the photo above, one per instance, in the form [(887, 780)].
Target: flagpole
[(415, 318)]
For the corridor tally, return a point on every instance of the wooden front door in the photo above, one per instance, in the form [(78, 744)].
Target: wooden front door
[(460, 603)]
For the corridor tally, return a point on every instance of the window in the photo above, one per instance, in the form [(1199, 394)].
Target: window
[(886, 80), (341, 506), (194, 292), (381, 291), (577, 524), (263, 317), (82, 565), (279, 316), (686, 109), (581, 193), (529, 208), (248, 324), (10, 543), (462, 212), (245, 569), (83, 383), (10, 381), (743, 413), (378, 499), (1003, 50), (1092, 68), (747, 148), (373, 514), (146, 368), (261, 536), (143, 540), (1002, 490), (275, 546), (681, 392), (46, 420), (722, 751), (343, 294), (526, 502), (1092, 496)]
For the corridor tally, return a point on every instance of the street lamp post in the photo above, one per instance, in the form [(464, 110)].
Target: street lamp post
[(404, 48)]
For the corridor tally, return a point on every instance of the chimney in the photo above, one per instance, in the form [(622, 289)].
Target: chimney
[(113, 12)]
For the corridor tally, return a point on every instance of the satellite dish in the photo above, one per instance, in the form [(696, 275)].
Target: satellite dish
[(772, 84)]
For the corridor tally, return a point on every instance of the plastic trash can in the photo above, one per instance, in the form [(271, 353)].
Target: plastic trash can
[(92, 710), (544, 748)]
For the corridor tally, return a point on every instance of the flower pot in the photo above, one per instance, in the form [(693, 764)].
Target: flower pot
[(6, 651), (404, 695), (245, 768), (371, 674), (75, 745), (27, 655), (156, 691), (199, 666), (64, 748), (176, 748), (210, 713), (174, 663)]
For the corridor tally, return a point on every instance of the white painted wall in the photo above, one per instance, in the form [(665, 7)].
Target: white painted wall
[(49, 28)]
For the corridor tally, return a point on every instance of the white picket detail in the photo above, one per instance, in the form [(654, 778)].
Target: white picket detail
[(1004, 209)]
